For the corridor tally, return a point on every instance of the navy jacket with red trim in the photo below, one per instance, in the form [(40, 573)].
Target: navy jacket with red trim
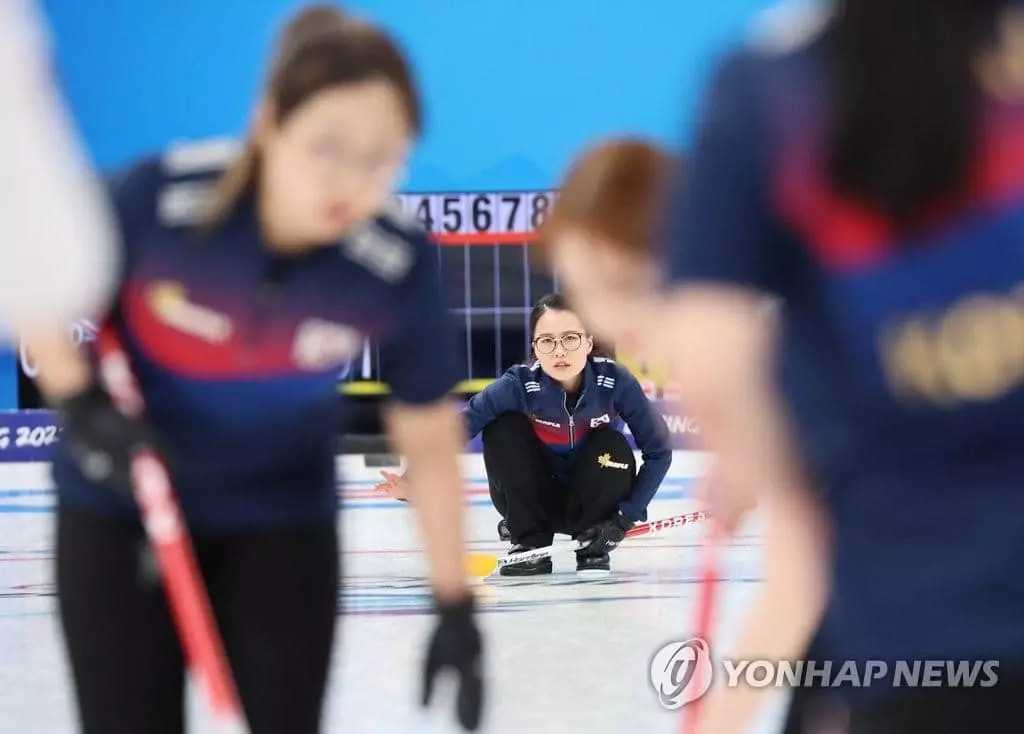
[(238, 349), (610, 395)]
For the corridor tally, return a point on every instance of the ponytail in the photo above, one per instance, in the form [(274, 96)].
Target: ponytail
[(903, 100), (240, 179), (234, 184), (320, 47)]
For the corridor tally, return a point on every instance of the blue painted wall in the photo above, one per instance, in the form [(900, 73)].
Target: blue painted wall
[(513, 87)]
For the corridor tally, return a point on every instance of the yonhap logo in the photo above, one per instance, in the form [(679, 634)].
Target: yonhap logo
[(681, 672)]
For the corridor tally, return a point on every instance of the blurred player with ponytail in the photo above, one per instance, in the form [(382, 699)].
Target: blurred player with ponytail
[(250, 279), (862, 162)]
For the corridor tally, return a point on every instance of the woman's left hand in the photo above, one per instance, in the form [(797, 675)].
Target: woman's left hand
[(607, 535), (456, 648)]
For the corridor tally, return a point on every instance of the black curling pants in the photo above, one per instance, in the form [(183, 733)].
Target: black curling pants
[(535, 503), (274, 595), (944, 710)]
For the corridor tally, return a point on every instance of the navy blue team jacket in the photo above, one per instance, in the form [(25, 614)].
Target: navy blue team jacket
[(238, 351), (901, 356), (609, 396)]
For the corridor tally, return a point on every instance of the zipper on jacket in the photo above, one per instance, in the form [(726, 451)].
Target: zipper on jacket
[(572, 421), (267, 296)]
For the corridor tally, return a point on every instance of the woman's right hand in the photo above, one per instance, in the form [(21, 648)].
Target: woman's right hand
[(727, 496), (393, 485), (101, 440)]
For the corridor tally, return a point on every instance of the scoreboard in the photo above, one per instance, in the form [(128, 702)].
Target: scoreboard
[(488, 275), (475, 218), (483, 243)]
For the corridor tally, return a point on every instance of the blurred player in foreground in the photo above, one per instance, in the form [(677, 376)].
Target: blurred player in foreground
[(866, 167), (600, 239), (556, 459), (245, 292), (57, 255), (605, 241)]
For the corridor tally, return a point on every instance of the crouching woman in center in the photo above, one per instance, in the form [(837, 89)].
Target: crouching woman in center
[(557, 460), (556, 457)]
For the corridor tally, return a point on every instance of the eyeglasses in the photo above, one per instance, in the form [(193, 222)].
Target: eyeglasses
[(570, 342), (333, 157)]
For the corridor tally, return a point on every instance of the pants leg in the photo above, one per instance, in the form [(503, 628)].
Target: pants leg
[(812, 710), (522, 486), (123, 649), (602, 476), (275, 596), (964, 710)]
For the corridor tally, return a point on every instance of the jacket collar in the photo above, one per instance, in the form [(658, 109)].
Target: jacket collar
[(587, 385)]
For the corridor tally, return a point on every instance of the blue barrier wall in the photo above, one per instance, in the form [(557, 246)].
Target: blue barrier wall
[(513, 87)]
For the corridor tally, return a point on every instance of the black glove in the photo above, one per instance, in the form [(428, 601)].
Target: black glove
[(456, 644), (101, 440), (606, 536)]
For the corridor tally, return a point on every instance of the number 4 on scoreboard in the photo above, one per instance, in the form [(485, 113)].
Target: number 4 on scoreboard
[(423, 214)]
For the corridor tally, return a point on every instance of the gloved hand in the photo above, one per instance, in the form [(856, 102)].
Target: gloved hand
[(456, 644), (606, 535), (101, 439)]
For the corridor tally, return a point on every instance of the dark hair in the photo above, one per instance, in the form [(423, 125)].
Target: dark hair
[(903, 100), (614, 190), (557, 302), (318, 49)]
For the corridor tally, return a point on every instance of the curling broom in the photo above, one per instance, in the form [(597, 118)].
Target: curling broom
[(175, 556)]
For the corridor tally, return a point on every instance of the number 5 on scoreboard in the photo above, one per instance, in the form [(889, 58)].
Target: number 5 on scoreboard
[(452, 214)]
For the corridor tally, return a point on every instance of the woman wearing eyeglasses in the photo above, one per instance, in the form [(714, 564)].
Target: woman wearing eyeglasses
[(556, 459)]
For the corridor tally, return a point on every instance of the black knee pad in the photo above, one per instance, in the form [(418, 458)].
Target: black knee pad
[(609, 441)]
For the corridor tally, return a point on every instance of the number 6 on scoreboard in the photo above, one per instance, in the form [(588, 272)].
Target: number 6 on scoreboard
[(483, 221)]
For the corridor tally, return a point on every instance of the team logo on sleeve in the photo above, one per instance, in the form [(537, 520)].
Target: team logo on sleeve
[(605, 462), (321, 345), (168, 300)]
